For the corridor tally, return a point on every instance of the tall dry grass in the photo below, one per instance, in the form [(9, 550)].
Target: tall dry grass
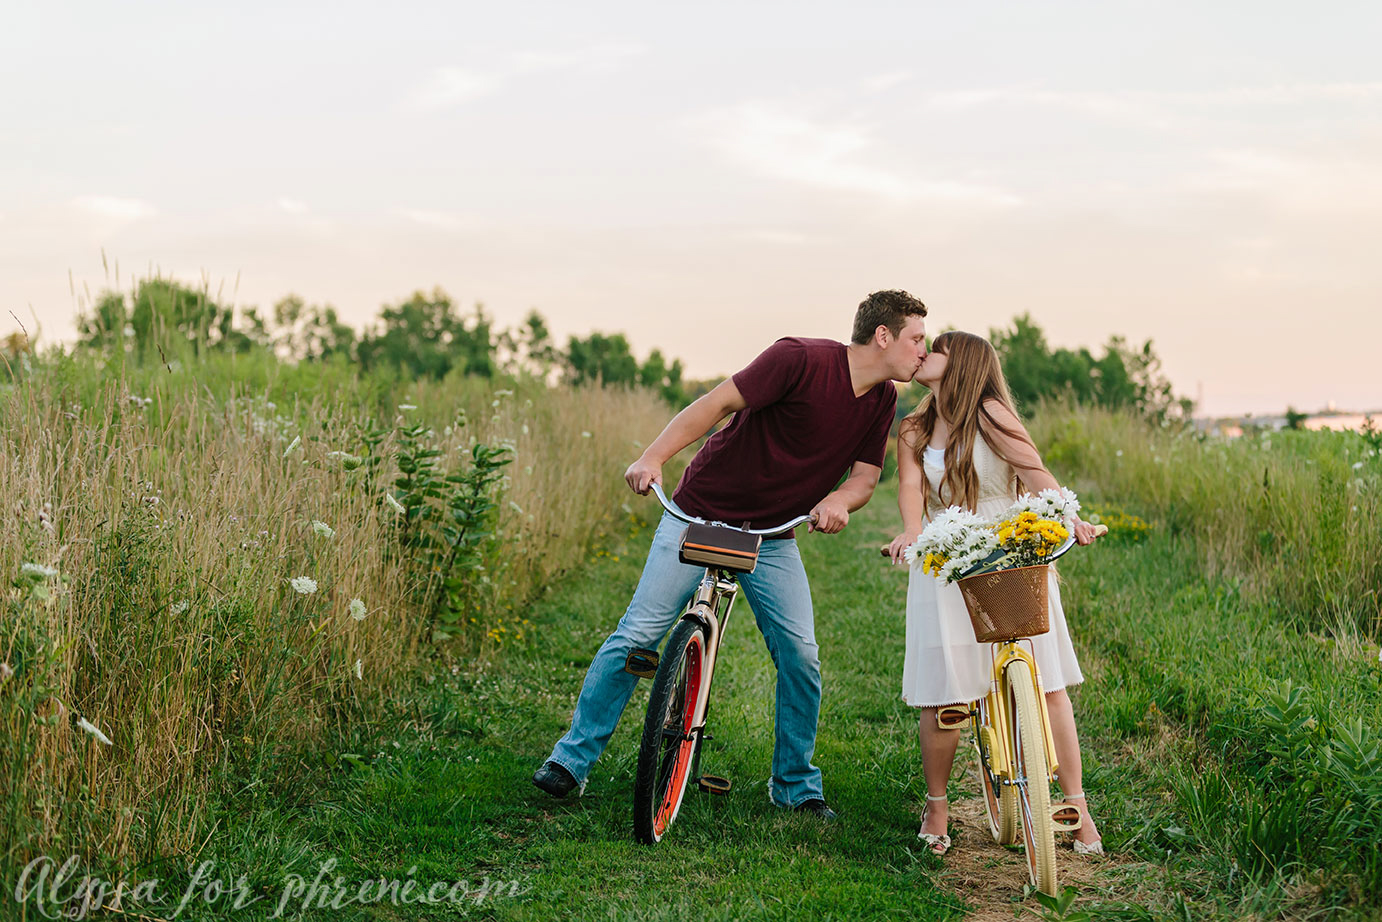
[(176, 522), (1293, 516)]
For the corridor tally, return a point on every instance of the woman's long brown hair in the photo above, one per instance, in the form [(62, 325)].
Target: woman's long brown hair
[(972, 376)]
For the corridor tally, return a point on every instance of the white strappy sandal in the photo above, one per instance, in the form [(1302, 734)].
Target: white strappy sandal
[(1082, 848), (938, 845)]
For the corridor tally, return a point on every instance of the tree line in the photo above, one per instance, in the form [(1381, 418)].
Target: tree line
[(428, 335)]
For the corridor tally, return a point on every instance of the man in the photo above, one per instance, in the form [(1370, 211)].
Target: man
[(805, 412)]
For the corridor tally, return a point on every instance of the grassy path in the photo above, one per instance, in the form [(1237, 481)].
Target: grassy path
[(443, 794), (448, 793)]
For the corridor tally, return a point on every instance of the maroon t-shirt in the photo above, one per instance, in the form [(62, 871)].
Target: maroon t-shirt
[(802, 431)]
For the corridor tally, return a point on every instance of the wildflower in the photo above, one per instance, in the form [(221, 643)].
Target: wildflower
[(348, 461), (179, 607), (5, 672), (1118, 453), (515, 507), (503, 393), (37, 571), (406, 406), (1358, 465), (585, 435), (359, 669), (297, 440), (323, 529), (357, 609), (305, 585), (129, 331), (525, 428), (95, 731), (397, 506)]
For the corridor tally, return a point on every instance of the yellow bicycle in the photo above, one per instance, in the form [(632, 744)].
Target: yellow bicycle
[(1012, 732)]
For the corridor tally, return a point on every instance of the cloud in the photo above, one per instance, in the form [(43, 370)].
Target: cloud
[(110, 206), (1325, 182), (437, 219), (774, 236), (840, 156), (451, 86), (886, 81), (1156, 108)]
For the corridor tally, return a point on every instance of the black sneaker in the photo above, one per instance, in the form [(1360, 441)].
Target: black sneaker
[(553, 779), (817, 808)]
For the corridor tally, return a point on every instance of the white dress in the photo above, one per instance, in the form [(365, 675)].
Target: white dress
[(944, 664)]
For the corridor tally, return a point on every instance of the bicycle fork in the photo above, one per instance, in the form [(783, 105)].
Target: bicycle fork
[(998, 704)]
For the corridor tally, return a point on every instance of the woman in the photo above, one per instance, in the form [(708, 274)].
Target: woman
[(964, 445)]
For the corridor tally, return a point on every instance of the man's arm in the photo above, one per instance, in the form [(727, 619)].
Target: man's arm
[(832, 513), (687, 426)]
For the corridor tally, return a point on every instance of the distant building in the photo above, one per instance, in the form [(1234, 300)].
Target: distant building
[(1232, 427), (1341, 422)]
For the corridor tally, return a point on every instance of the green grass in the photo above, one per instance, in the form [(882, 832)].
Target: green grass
[(1221, 794)]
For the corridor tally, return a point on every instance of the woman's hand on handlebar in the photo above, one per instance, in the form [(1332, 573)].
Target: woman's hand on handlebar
[(1085, 533), (899, 544)]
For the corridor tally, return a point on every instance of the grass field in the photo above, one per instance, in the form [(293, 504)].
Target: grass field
[(1229, 738)]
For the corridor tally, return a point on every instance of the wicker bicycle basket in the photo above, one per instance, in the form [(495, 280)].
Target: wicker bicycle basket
[(1007, 604)]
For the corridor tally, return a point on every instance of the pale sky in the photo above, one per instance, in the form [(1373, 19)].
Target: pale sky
[(707, 177)]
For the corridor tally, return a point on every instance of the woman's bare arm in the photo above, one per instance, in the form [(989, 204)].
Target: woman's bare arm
[(909, 500), (1017, 446)]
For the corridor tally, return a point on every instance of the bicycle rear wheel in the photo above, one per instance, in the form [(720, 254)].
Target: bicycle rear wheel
[(1000, 800), (669, 747), (1034, 781)]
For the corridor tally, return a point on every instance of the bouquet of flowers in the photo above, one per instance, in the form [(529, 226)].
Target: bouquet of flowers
[(958, 543)]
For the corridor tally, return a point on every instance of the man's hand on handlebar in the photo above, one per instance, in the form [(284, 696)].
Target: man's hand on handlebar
[(641, 476), (830, 516)]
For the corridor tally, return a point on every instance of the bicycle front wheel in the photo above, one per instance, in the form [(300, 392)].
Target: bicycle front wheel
[(1030, 771), (1000, 800), (669, 747)]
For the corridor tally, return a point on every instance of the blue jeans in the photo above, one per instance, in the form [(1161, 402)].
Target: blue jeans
[(781, 600)]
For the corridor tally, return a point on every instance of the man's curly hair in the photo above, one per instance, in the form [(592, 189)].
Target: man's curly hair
[(890, 308)]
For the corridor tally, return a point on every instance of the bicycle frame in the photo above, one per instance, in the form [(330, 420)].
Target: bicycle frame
[(716, 588), (710, 607), (1000, 757)]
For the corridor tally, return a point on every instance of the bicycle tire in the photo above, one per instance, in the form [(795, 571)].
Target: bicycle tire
[(668, 748), (1000, 800), (1034, 780)]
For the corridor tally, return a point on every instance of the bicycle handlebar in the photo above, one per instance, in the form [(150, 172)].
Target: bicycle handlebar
[(677, 512), (1099, 531)]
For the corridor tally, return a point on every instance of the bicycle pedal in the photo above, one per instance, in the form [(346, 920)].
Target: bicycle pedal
[(1065, 817), (641, 662), (713, 784), (952, 717)]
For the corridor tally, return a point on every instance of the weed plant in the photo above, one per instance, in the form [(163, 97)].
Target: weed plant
[(208, 573)]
